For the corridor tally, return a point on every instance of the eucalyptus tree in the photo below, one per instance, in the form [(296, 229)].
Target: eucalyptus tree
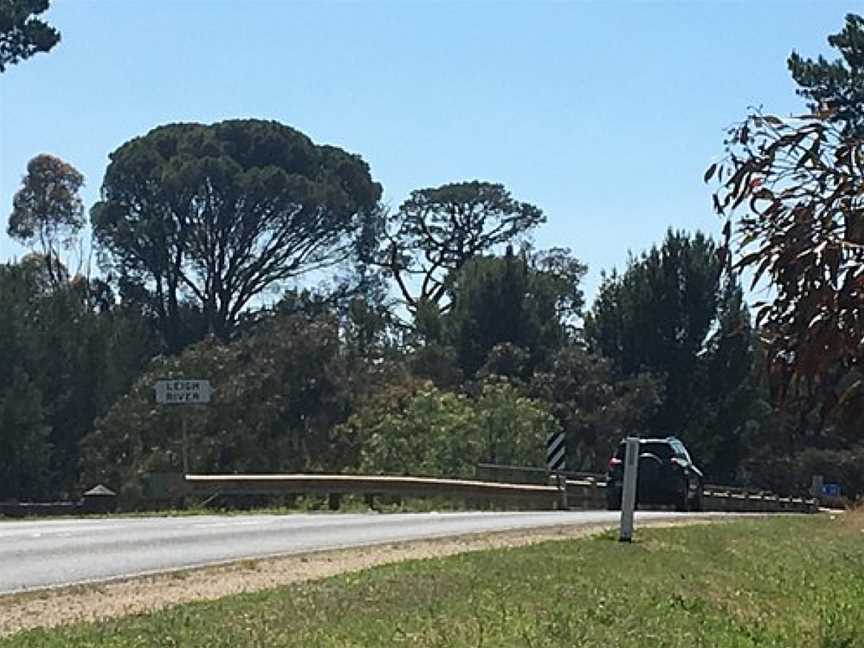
[(47, 211)]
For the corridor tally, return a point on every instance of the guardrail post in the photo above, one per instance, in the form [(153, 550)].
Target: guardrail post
[(333, 501), (562, 487)]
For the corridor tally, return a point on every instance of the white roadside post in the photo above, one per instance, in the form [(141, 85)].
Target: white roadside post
[(628, 494)]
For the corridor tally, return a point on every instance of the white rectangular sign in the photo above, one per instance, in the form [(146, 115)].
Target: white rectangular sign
[(183, 391)]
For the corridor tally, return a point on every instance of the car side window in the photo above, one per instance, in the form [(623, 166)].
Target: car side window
[(680, 451)]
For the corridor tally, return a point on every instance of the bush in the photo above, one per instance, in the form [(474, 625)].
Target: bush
[(441, 433), (794, 475)]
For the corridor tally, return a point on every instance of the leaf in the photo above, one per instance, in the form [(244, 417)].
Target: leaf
[(762, 268), (710, 172)]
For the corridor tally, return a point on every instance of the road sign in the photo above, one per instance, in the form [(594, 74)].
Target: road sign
[(556, 452), (831, 490), (183, 392)]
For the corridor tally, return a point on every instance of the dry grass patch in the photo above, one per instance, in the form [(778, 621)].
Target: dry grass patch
[(853, 519)]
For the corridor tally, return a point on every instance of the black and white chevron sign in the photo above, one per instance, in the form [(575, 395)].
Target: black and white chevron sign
[(555, 452)]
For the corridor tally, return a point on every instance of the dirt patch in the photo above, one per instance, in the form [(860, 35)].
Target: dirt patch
[(48, 608)]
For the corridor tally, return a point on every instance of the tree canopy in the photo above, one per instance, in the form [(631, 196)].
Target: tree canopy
[(198, 226), (656, 316), (437, 230), (217, 214), (836, 87), (22, 34), (48, 209), (801, 226), (526, 300)]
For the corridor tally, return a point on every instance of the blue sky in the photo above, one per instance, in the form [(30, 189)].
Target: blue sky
[(604, 114)]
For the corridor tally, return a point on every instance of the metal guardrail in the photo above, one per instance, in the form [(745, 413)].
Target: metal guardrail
[(95, 500), (529, 474), (487, 489), (581, 493), (541, 496), (715, 497)]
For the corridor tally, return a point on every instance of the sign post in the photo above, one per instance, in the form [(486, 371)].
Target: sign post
[(628, 495), (185, 443), (556, 462), (183, 392)]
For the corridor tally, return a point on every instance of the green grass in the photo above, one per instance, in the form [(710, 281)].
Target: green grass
[(784, 582)]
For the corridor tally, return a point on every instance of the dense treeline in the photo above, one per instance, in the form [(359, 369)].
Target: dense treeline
[(417, 340)]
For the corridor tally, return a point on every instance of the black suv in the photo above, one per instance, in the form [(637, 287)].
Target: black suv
[(666, 475)]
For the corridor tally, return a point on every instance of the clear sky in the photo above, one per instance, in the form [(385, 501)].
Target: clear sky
[(604, 114)]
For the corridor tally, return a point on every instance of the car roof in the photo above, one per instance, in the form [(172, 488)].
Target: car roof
[(668, 439)]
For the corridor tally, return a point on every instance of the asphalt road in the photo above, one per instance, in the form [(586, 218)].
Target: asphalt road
[(40, 554)]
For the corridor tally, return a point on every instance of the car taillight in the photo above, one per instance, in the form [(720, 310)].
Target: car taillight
[(614, 461)]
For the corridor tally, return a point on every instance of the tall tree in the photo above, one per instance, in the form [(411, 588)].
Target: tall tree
[(728, 404), (48, 210), (218, 214), (519, 299), (22, 34), (836, 87), (437, 230), (66, 352), (657, 315)]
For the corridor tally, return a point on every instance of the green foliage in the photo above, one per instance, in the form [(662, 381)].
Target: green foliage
[(793, 473), (658, 313), (836, 88), (729, 402), (220, 213), (671, 314), (594, 405), (22, 34), (438, 433), (24, 440), (515, 427), (66, 354), (280, 392), (521, 300), (656, 317)]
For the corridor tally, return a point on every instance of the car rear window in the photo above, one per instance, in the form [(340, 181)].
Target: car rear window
[(660, 448)]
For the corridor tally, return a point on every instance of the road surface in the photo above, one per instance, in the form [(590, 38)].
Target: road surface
[(51, 553)]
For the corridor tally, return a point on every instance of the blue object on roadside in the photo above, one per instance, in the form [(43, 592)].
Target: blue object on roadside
[(831, 490)]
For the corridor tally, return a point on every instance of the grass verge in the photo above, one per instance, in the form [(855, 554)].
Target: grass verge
[(783, 581)]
